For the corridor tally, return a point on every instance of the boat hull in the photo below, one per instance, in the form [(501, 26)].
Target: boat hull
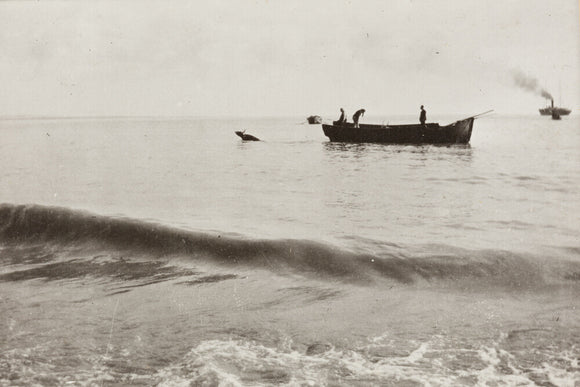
[(458, 132), (314, 120), (560, 111)]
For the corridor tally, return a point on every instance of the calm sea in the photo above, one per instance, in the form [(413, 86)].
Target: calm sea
[(154, 251)]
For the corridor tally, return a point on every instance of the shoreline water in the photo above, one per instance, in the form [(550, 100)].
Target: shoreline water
[(169, 252)]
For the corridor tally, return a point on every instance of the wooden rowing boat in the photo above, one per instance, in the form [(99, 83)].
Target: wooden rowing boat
[(458, 132)]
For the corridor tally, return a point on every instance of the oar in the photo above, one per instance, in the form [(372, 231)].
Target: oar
[(480, 114), (477, 115)]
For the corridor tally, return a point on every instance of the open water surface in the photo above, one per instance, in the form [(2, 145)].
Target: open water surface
[(154, 251)]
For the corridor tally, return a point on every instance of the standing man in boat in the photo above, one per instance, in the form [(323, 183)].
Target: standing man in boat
[(342, 118), (423, 116), (357, 115)]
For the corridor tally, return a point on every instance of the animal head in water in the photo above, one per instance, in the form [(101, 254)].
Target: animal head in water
[(246, 137)]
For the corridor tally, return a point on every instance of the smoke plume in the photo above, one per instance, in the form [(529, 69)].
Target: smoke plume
[(528, 83)]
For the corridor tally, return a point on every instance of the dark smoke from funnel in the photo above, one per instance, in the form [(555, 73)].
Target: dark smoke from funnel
[(528, 83), (546, 95)]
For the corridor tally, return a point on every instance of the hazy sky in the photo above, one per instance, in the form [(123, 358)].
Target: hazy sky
[(282, 57)]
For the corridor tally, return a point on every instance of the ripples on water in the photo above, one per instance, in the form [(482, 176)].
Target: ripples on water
[(168, 252)]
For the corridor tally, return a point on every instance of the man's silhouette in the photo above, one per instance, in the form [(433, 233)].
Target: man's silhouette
[(357, 115)]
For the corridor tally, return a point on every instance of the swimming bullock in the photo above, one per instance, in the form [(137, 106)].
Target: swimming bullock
[(246, 137)]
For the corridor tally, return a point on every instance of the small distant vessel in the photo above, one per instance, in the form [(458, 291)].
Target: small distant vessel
[(458, 132), (314, 120), (559, 111)]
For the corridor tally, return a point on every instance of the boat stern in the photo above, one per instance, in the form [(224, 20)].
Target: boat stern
[(463, 130)]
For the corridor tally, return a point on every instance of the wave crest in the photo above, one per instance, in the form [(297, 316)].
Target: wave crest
[(26, 224)]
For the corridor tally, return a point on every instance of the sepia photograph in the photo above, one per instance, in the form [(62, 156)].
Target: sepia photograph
[(290, 193)]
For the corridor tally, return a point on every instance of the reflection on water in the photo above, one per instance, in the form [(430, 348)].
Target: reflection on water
[(462, 152)]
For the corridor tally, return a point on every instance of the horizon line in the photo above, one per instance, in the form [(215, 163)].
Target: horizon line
[(168, 116)]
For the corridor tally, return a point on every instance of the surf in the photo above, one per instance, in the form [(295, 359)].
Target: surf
[(44, 230)]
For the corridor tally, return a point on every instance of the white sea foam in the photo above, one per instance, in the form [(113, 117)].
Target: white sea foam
[(237, 363)]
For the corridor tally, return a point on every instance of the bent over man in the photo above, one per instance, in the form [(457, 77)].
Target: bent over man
[(356, 116)]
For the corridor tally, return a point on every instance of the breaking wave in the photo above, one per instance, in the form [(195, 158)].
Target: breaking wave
[(23, 225)]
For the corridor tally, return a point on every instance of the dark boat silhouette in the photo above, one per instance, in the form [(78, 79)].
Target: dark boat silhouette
[(458, 132), (559, 111), (314, 120)]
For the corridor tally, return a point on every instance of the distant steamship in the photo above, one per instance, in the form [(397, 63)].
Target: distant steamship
[(554, 110)]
